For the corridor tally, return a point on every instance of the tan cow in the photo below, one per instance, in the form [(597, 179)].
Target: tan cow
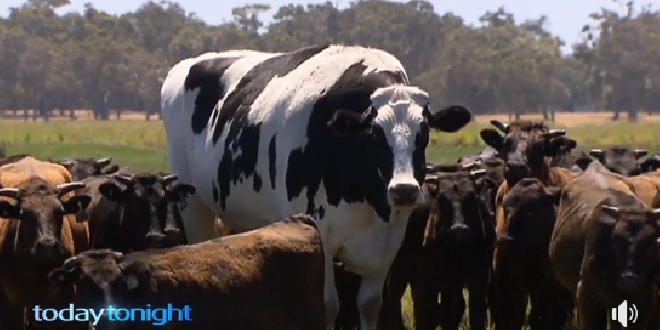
[(38, 230)]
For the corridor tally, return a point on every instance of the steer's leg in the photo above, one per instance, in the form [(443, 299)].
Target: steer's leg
[(330, 291), (370, 298)]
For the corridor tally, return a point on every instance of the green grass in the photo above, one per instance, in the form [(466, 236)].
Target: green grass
[(142, 145)]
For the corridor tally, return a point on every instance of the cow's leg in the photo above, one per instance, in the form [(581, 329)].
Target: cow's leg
[(477, 288), (590, 316), (330, 291), (370, 299)]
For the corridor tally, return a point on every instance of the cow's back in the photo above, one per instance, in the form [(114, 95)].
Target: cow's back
[(223, 276), (580, 197), (646, 187)]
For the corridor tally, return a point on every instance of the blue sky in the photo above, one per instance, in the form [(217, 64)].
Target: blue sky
[(566, 17)]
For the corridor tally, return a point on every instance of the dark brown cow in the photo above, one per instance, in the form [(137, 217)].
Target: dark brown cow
[(137, 212), (530, 211), (620, 159), (235, 282), (84, 167), (457, 252), (603, 248), (36, 208)]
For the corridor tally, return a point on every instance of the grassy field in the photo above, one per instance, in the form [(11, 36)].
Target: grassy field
[(142, 145)]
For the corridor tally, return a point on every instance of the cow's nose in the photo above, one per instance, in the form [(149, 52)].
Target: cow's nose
[(47, 248), (404, 194), (628, 282), (459, 226), (154, 240)]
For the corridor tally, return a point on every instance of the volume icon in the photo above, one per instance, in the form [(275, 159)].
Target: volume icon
[(624, 313)]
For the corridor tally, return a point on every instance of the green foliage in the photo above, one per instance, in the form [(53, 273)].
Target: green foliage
[(104, 62)]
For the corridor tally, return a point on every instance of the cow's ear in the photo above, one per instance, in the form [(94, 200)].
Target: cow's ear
[(111, 191), (583, 162), (596, 153), (559, 144), (450, 119), (9, 211), (68, 164), (63, 276), (76, 204), (111, 169), (492, 138), (650, 164), (184, 190), (554, 193), (639, 153), (348, 123)]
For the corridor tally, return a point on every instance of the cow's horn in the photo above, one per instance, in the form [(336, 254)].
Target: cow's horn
[(611, 208), (430, 177), (553, 133), (10, 192), (504, 127), (103, 161), (479, 171), (169, 178), (65, 188), (127, 180)]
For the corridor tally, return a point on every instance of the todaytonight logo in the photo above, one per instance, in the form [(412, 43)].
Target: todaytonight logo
[(157, 316)]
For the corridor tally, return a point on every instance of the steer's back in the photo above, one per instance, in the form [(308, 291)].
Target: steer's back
[(272, 275), (579, 199)]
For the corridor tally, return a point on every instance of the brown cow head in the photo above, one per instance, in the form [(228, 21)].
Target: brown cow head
[(147, 201), (620, 159), (624, 245), (41, 210), (530, 213), (99, 277), (177, 197), (525, 147), (455, 203), (81, 168)]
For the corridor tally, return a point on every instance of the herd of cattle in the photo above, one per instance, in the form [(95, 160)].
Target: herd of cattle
[(314, 160)]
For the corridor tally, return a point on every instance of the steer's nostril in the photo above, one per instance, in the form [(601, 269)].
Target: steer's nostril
[(404, 193)]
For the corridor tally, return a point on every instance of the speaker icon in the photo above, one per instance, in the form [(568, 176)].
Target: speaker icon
[(624, 313)]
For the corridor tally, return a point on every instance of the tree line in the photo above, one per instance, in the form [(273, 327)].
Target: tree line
[(94, 60)]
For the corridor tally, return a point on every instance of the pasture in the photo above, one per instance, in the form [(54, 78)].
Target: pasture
[(142, 144)]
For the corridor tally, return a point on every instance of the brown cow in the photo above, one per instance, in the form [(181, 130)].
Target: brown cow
[(84, 167), (603, 248), (530, 211), (36, 210), (457, 251), (235, 282), (137, 212)]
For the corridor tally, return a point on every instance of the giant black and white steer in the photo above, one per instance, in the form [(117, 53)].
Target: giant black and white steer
[(333, 131)]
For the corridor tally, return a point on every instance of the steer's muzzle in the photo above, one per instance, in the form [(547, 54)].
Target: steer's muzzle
[(48, 249), (404, 194), (629, 282), (172, 236), (154, 240)]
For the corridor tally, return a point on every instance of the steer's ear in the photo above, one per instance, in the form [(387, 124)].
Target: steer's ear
[(650, 164), (348, 123), (450, 119), (111, 169), (492, 138), (111, 191), (63, 276), (68, 164), (183, 190), (76, 204), (9, 211), (583, 162)]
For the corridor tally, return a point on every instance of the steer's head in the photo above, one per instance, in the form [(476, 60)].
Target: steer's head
[(530, 213), (394, 127), (455, 204), (81, 168), (41, 210), (97, 276), (147, 200), (620, 159), (625, 250)]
